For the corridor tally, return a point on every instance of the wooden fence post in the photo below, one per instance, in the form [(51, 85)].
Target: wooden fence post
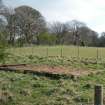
[(61, 52), (98, 95), (47, 52)]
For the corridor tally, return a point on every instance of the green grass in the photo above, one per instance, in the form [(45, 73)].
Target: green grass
[(28, 89), (68, 51), (88, 63), (51, 55), (31, 89)]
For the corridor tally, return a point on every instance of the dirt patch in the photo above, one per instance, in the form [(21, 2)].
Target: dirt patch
[(52, 70)]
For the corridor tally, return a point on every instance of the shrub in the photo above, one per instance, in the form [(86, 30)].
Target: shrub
[(3, 54)]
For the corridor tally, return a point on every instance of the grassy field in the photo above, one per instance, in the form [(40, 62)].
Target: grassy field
[(68, 51), (28, 89), (31, 89), (51, 55)]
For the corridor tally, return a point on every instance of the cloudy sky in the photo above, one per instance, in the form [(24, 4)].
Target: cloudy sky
[(92, 12)]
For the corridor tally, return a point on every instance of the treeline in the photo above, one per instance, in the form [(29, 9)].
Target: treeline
[(24, 26)]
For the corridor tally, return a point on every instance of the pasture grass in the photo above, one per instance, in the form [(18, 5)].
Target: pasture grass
[(28, 89), (31, 89), (89, 57), (82, 63), (68, 51)]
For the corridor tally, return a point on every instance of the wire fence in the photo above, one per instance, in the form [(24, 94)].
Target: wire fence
[(81, 54), (67, 51)]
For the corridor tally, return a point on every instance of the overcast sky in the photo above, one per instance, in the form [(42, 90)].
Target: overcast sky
[(92, 12)]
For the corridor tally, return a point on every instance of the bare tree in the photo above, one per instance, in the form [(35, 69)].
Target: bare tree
[(74, 27), (3, 9), (59, 29)]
